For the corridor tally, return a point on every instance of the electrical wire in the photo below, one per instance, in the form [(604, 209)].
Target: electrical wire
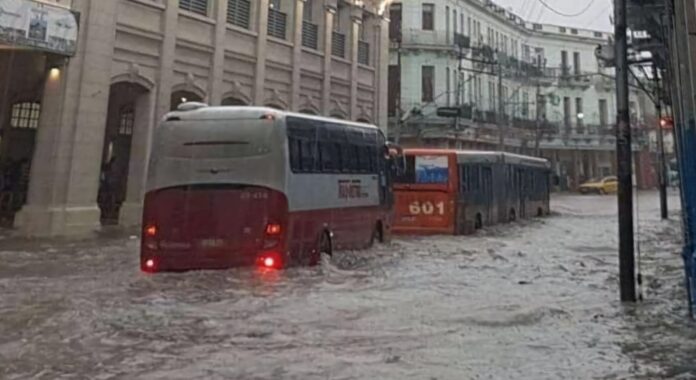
[(547, 6)]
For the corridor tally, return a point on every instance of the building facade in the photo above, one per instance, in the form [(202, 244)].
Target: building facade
[(77, 125), (521, 86)]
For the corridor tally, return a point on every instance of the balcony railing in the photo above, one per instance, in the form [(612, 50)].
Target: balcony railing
[(363, 53), (277, 24), (238, 13), (310, 35), (338, 44)]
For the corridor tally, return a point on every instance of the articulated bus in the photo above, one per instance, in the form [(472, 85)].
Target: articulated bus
[(231, 186), (458, 192)]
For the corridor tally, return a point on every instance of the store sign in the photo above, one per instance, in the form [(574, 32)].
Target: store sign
[(30, 24)]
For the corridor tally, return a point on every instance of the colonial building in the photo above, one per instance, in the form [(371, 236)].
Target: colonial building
[(522, 86), (85, 82)]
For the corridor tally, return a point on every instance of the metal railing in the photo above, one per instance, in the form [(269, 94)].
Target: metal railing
[(277, 24), (310, 35), (363, 53), (338, 44)]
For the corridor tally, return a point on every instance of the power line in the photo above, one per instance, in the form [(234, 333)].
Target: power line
[(547, 6)]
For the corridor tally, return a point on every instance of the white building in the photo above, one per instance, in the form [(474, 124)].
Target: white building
[(452, 52)]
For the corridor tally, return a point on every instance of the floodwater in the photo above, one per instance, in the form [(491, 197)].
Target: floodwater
[(530, 300)]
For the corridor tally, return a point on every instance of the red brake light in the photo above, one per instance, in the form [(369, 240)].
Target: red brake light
[(273, 229), (269, 262), (150, 264), (151, 231)]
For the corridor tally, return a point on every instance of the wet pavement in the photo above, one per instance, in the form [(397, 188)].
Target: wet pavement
[(530, 300)]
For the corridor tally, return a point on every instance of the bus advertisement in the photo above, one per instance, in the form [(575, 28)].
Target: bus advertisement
[(457, 192), (231, 186)]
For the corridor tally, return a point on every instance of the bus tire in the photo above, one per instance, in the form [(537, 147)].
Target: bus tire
[(377, 234), (513, 215), (324, 246), (478, 223), (540, 212)]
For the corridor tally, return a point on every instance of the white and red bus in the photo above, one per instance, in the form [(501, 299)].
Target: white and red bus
[(230, 186)]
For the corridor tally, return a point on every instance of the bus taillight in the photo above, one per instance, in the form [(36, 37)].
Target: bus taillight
[(151, 230), (273, 229), (149, 265), (150, 236), (270, 260)]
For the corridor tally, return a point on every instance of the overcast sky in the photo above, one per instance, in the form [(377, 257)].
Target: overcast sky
[(596, 17)]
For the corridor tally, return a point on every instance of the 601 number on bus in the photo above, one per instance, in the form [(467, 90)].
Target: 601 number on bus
[(426, 208)]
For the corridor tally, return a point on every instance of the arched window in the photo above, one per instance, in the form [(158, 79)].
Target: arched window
[(25, 115), (126, 119)]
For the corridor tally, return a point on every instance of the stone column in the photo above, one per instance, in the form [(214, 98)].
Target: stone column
[(65, 169), (166, 61), (215, 80), (260, 78), (328, 33), (144, 124), (381, 62), (356, 22), (297, 56)]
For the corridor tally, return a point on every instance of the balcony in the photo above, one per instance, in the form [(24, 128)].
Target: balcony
[(363, 53), (310, 35), (338, 44), (277, 24), (571, 79), (414, 38)]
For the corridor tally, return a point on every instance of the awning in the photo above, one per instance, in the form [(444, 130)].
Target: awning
[(29, 24)]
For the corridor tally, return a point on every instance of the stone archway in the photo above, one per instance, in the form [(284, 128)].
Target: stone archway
[(308, 112), (183, 96), (24, 76), (125, 148)]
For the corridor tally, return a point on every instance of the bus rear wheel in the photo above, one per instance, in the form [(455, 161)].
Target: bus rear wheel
[(377, 235), (478, 223), (324, 247)]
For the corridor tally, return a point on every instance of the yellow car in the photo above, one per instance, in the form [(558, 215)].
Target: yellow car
[(606, 185)]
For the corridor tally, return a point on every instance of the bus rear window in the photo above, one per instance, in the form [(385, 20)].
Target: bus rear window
[(216, 139), (425, 170)]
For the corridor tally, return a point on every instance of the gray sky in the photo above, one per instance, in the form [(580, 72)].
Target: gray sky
[(596, 17)]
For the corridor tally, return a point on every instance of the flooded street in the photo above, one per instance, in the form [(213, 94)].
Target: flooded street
[(531, 300)]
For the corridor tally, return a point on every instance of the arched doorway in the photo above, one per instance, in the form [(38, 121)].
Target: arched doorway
[(232, 101), (22, 76), (126, 103), (183, 96)]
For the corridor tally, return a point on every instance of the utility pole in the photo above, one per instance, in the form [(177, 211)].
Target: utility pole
[(501, 106), (539, 109), (627, 275), (397, 135), (662, 172)]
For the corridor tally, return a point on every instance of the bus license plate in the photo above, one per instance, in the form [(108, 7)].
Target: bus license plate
[(211, 243)]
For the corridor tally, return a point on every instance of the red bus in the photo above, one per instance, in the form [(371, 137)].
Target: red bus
[(457, 192), (230, 186)]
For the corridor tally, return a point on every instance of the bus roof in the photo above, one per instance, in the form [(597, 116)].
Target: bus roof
[(199, 111), (483, 156)]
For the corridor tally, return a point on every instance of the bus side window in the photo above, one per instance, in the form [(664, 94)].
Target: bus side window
[(294, 151), (328, 157), (308, 156)]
